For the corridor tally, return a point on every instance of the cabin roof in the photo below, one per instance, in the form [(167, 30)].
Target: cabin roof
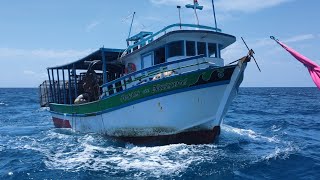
[(144, 37), (139, 36), (226, 39), (110, 56)]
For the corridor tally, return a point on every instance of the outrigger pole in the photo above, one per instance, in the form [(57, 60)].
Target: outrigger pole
[(251, 54)]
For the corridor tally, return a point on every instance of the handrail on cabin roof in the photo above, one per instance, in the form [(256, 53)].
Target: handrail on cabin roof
[(171, 26), (152, 67)]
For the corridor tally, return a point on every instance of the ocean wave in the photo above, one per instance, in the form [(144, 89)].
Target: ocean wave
[(246, 133), (258, 148), (2, 148), (3, 104), (282, 152), (72, 152), (42, 109), (158, 161), (89, 152)]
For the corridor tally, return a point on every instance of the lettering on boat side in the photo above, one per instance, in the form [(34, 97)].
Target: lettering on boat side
[(154, 90), (170, 85), (129, 96)]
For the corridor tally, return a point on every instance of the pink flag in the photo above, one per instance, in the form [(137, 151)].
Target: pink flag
[(313, 68)]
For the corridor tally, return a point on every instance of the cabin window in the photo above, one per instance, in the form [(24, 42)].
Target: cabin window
[(159, 56), (147, 60), (191, 48), (202, 49), (175, 49), (212, 49), (219, 50)]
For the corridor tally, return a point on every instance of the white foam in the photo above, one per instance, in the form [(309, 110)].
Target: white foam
[(161, 160), (274, 128), (74, 152), (281, 152), (248, 133), (43, 109), (3, 104)]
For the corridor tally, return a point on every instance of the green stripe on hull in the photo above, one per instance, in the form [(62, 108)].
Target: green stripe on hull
[(147, 90)]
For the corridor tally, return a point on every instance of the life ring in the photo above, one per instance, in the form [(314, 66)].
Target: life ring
[(131, 67)]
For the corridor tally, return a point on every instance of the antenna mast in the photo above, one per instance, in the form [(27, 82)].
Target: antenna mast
[(134, 13), (179, 7), (214, 15)]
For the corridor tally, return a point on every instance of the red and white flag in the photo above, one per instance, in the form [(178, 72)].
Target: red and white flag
[(313, 68)]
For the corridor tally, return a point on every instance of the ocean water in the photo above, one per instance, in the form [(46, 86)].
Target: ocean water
[(268, 133)]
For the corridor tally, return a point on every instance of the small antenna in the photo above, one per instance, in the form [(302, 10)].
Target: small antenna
[(134, 13), (214, 15), (179, 9)]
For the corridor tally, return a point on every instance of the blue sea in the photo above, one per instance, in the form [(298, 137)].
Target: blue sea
[(268, 133)]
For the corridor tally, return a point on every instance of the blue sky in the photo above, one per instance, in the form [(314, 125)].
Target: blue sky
[(35, 34)]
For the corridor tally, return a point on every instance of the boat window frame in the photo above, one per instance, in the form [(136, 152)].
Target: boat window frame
[(182, 48), (194, 48), (215, 50), (154, 54), (205, 48)]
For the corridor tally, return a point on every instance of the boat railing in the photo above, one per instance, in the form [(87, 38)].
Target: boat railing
[(155, 73), (55, 91), (45, 94), (167, 29)]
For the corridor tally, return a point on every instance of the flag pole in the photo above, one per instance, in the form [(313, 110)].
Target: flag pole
[(195, 11), (195, 6), (273, 38)]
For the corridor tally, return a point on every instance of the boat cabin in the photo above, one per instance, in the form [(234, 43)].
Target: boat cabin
[(176, 49)]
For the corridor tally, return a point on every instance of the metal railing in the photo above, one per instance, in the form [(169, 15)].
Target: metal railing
[(170, 28), (55, 93), (45, 94), (155, 73)]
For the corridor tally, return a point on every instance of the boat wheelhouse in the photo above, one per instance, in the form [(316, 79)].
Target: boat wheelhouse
[(166, 87)]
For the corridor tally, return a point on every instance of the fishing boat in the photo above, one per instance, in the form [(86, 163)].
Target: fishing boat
[(171, 86)]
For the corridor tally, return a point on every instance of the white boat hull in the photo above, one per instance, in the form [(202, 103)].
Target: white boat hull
[(197, 109)]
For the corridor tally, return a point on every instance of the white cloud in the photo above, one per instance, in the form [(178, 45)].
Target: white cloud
[(234, 52), (247, 5), (31, 64), (298, 38), (92, 25), (170, 2), (38, 75), (28, 72), (6, 53), (227, 5)]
